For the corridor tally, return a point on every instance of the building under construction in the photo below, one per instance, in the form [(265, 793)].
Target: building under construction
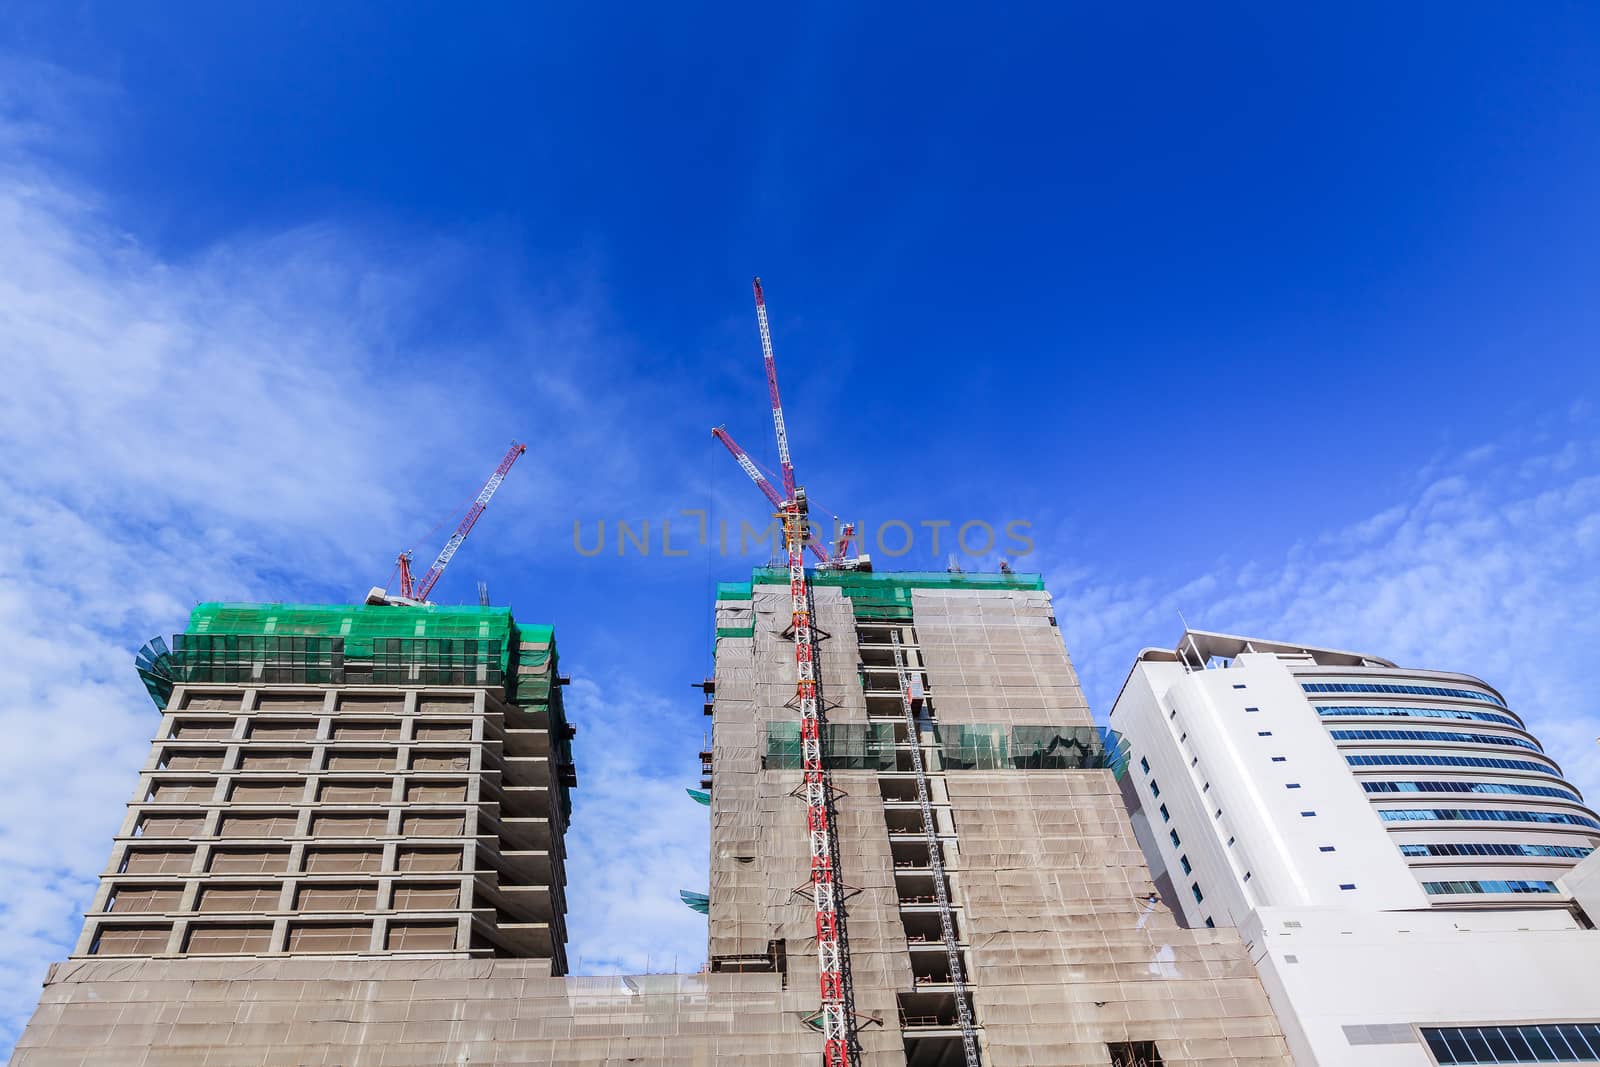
[(346, 846)]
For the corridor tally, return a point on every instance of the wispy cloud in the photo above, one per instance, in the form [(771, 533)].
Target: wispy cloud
[(640, 840), (236, 425), (1491, 567)]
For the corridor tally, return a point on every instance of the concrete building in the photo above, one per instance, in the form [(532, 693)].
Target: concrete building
[(401, 788), (354, 816), (1382, 837)]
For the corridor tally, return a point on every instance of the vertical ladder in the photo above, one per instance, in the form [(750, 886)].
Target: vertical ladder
[(832, 963), (947, 926)]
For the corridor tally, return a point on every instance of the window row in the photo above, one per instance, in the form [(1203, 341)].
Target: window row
[(1432, 736), (187, 729), (329, 791), (1407, 690), (309, 896), (360, 703), (230, 939), (285, 824), (270, 860), (1407, 759), (1500, 788), (1559, 818), (209, 759), (1462, 714), (1552, 1043), (1476, 886), (1495, 848)]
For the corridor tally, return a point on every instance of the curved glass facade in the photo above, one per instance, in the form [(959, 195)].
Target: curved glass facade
[(1337, 711), (1402, 690), (1491, 847), (1500, 788)]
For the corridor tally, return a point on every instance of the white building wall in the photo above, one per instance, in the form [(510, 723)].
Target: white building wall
[(1351, 987), (1215, 755), (1353, 973)]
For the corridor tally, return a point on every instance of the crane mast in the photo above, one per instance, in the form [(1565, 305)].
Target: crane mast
[(784, 464), (836, 1015), (833, 965)]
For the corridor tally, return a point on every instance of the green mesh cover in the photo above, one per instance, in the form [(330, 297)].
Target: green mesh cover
[(733, 590), (887, 595), (361, 624), (376, 644)]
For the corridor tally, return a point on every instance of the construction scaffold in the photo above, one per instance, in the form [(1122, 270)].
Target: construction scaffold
[(947, 926)]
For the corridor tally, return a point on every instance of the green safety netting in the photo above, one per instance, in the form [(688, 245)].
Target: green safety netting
[(361, 625), (736, 631), (846, 746), (984, 746), (700, 902), (887, 595), (975, 747), (365, 644), (733, 591), (700, 796)]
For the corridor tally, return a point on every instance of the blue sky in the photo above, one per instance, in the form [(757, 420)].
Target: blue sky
[(1282, 319)]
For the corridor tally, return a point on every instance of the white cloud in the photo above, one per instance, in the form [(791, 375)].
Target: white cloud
[(637, 840), (237, 425), (1491, 568)]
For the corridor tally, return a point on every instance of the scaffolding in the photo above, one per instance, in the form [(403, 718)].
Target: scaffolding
[(941, 892)]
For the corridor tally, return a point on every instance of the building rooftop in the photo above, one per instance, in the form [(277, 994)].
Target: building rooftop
[(1199, 647)]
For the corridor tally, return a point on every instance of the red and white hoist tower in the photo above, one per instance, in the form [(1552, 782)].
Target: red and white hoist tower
[(836, 1016), (415, 592)]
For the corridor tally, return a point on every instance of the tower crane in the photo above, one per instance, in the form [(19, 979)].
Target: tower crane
[(840, 558), (836, 1015), (414, 592)]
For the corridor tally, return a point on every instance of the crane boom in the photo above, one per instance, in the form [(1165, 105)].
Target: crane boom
[(784, 463), (417, 591), (756, 476)]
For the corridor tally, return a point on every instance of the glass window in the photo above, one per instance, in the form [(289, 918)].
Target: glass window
[(1176, 843), (1210, 922), (1144, 765), (1409, 690), (1165, 817), (1457, 714), (1199, 897), (1558, 1044), (1155, 788), (1517, 1045), (1183, 861)]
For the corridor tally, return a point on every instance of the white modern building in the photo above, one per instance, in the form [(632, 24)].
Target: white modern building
[(1394, 845)]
